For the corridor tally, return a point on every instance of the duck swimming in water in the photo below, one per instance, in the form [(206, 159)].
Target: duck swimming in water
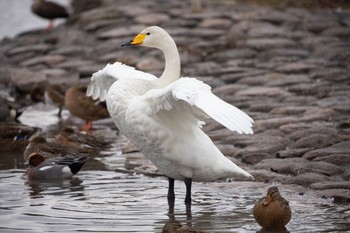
[(163, 116)]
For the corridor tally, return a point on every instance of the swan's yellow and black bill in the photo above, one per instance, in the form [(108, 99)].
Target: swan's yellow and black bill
[(136, 41)]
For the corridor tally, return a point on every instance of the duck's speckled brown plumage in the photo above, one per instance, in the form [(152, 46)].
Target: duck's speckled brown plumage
[(83, 106), (53, 149), (68, 136), (272, 211)]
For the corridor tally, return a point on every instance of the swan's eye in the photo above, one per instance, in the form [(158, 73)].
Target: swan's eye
[(148, 33)]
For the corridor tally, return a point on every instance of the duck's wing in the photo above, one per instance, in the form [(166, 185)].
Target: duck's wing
[(195, 98), (103, 79)]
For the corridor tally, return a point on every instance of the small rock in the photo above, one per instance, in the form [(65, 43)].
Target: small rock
[(24, 79), (38, 48), (289, 110), (150, 64), (266, 43), (307, 179), (152, 18), (314, 141), (291, 153), (215, 23), (339, 148), (297, 166), (296, 67), (121, 32), (331, 185), (264, 91), (267, 176), (48, 60), (342, 160), (276, 122)]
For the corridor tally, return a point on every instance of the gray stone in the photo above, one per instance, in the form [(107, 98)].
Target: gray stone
[(296, 67), (38, 48), (315, 141), (291, 153), (342, 160), (266, 43), (307, 179), (331, 185), (264, 91), (121, 32), (265, 176), (275, 123), (152, 18), (24, 79), (150, 64), (215, 23), (339, 148), (297, 166), (234, 54), (289, 110), (48, 60)]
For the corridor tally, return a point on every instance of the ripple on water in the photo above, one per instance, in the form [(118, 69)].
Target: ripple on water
[(99, 199)]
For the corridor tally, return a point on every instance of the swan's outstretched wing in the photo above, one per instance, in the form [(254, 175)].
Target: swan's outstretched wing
[(194, 97), (103, 79)]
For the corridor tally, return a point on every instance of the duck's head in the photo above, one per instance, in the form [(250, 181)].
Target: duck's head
[(38, 139), (35, 159), (272, 194), (153, 36)]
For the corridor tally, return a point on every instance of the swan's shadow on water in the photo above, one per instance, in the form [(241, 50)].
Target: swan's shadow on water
[(40, 188)]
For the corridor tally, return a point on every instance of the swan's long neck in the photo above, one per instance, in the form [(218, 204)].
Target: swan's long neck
[(172, 68)]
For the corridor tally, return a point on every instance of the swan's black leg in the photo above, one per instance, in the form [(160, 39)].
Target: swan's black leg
[(171, 193), (188, 183)]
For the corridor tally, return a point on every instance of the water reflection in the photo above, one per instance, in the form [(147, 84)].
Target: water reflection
[(70, 187), (115, 192), (273, 231)]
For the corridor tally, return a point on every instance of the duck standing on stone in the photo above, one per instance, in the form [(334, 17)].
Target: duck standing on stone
[(272, 212), (49, 10), (84, 107)]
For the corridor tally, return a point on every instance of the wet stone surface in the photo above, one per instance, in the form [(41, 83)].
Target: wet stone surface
[(288, 68)]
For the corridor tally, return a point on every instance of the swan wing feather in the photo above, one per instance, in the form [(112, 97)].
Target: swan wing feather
[(103, 79), (195, 97)]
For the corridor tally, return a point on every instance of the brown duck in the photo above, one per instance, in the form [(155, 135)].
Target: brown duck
[(49, 10), (84, 107), (68, 136), (49, 94), (272, 211), (48, 149)]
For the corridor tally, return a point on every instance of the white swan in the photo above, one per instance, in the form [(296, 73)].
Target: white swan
[(162, 115)]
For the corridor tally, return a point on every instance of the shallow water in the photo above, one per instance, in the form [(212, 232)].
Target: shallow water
[(108, 196)]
